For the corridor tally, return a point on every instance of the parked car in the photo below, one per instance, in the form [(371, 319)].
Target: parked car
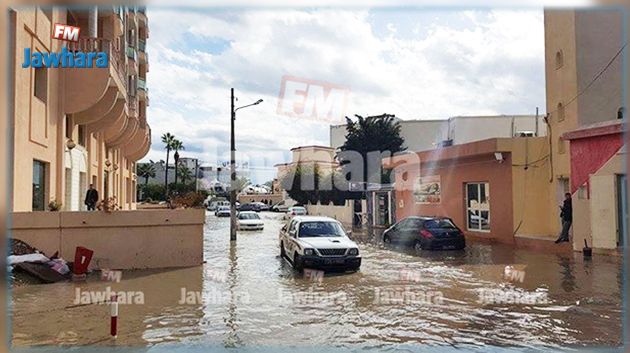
[(249, 220), (222, 211), (318, 242), (296, 211), (262, 206), (213, 205), (282, 206), (426, 233), (249, 207)]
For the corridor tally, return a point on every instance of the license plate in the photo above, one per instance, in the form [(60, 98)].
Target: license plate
[(333, 261)]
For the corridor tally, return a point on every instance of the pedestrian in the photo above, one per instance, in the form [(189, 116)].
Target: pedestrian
[(566, 214), (91, 198)]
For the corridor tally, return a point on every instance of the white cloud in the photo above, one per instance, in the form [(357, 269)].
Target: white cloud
[(494, 66)]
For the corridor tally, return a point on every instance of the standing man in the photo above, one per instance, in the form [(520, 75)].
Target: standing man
[(566, 214), (91, 198)]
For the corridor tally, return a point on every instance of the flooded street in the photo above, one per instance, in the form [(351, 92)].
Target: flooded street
[(247, 296)]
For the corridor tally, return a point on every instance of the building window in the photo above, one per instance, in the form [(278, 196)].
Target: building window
[(82, 136), (68, 127), (478, 207), (560, 112), (559, 59), (561, 146), (41, 84), (39, 186), (621, 113)]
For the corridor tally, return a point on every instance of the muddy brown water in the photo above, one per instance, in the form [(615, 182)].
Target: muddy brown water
[(247, 296)]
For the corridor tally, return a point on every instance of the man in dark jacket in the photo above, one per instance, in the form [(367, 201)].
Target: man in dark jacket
[(566, 214), (91, 198)]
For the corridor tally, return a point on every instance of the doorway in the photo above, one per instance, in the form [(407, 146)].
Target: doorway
[(622, 209)]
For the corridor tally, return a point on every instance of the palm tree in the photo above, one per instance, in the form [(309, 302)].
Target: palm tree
[(185, 173), (167, 139), (146, 171), (177, 146)]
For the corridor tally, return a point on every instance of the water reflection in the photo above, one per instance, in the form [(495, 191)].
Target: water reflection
[(252, 297)]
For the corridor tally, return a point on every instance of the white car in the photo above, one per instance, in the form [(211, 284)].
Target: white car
[(249, 220), (222, 211), (295, 211), (318, 242)]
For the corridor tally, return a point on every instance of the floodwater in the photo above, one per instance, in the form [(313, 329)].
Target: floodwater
[(247, 296)]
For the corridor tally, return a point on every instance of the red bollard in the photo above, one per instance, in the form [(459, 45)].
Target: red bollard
[(113, 328)]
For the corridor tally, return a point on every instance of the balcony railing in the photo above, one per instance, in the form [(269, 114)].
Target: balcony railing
[(142, 84), (112, 48), (131, 53), (142, 45)]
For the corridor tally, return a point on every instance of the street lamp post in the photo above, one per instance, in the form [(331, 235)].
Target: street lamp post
[(233, 164)]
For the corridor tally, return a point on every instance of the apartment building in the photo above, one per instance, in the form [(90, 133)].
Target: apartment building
[(78, 126), (584, 63)]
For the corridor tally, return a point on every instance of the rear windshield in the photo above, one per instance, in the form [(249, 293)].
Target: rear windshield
[(248, 216), (439, 224), (320, 229)]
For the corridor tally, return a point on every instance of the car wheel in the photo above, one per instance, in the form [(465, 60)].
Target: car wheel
[(387, 239), (418, 245), (297, 262), (282, 253)]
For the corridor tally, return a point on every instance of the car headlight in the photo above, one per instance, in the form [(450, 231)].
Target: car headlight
[(309, 251), (353, 252)]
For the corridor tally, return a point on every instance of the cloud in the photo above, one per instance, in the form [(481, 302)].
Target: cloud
[(418, 65)]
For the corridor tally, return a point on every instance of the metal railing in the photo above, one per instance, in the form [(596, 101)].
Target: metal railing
[(142, 84), (112, 48), (131, 53)]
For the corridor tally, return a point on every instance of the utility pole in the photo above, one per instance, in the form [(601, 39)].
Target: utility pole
[(232, 172), (233, 165)]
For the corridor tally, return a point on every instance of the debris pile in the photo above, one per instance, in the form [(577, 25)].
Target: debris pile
[(27, 260)]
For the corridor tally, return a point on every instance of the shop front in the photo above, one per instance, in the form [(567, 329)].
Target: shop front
[(481, 186)]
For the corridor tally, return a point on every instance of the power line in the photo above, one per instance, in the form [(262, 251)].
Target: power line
[(595, 78)]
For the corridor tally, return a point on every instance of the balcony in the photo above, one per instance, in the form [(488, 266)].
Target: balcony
[(142, 89), (91, 94), (142, 17), (132, 57), (142, 54)]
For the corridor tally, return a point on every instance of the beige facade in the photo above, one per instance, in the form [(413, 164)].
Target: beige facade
[(584, 75), (78, 126), (321, 156)]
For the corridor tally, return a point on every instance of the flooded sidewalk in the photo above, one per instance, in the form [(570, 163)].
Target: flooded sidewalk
[(245, 295)]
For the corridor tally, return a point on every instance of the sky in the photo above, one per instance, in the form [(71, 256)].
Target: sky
[(416, 64)]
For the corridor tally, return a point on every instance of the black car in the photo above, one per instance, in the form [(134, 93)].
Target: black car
[(250, 207), (426, 233)]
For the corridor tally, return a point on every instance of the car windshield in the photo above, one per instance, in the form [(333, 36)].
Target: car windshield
[(320, 229), (223, 208), (439, 224), (298, 209), (248, 216)]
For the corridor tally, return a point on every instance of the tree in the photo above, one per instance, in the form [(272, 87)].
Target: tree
[(240, 183), (146, 171), (177, 146), (167, 139), (185, 173), (373, 138)]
